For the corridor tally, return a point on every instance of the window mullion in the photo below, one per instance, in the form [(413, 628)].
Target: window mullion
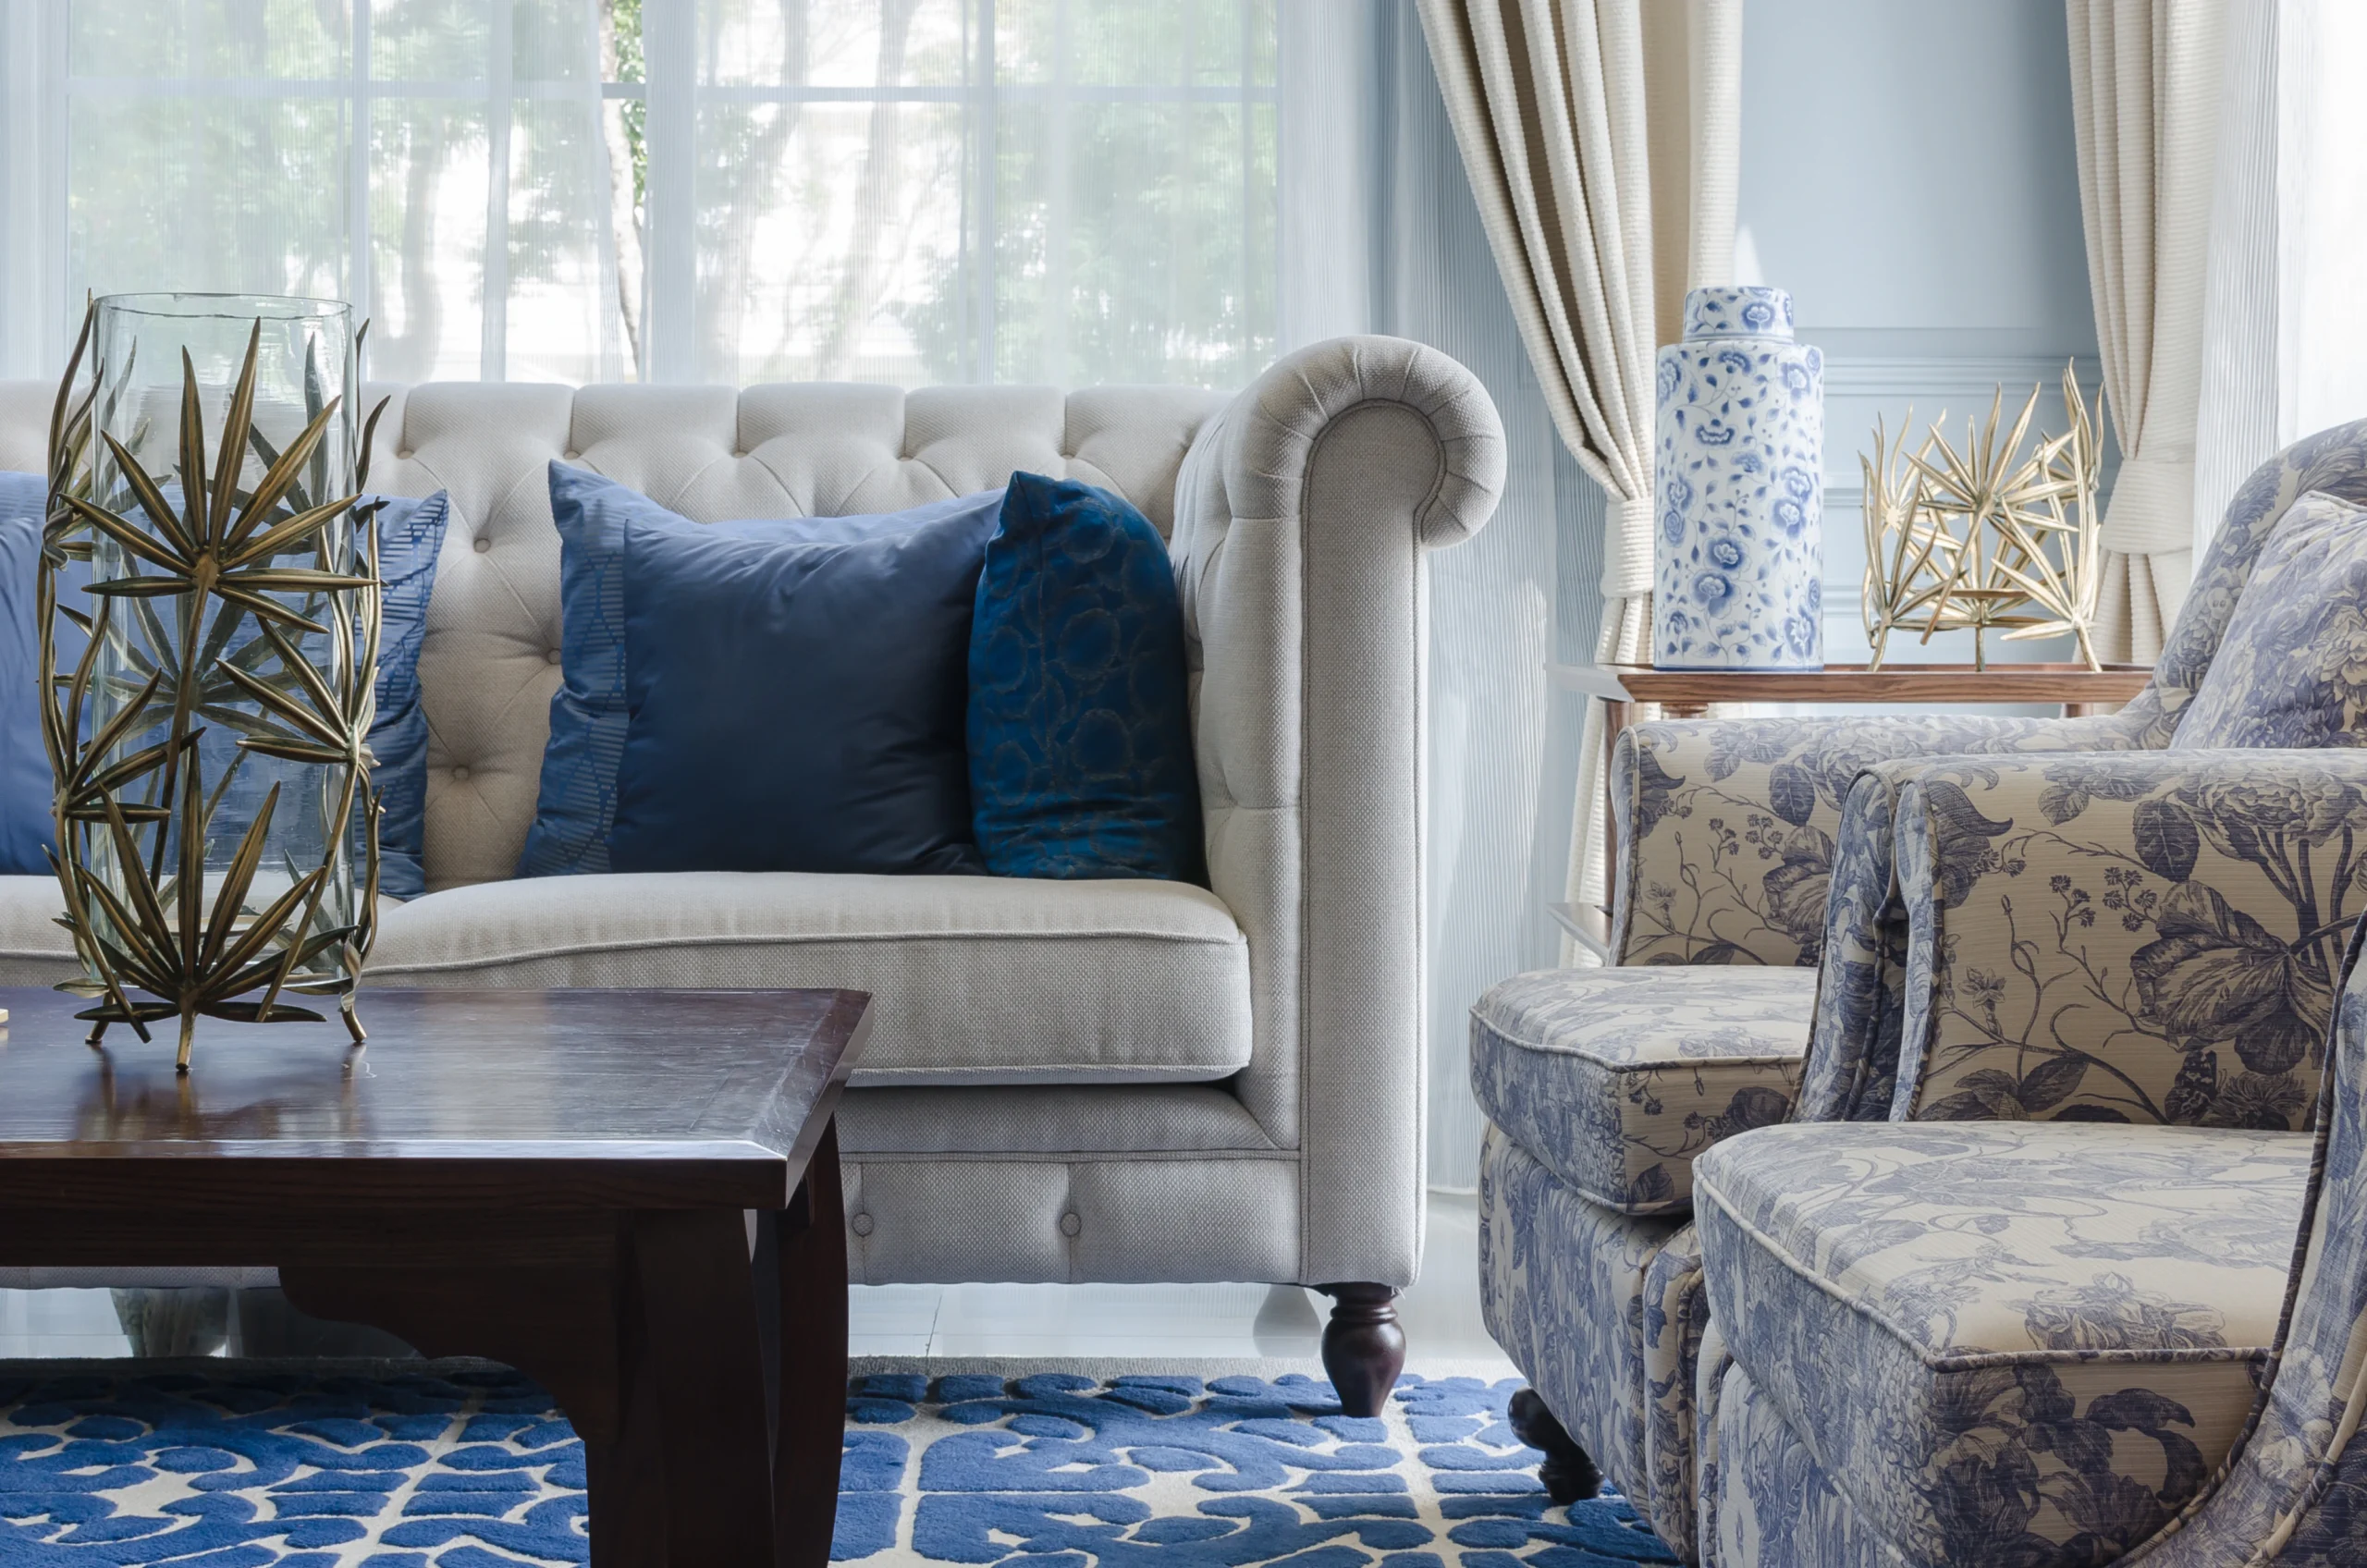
[(362, 118), (494, 355), (669, 68), (33, 308), (982, 242)]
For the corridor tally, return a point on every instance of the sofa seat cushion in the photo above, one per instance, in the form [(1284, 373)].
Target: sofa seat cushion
[(35, 950), (973, 979), (2007, 1342), (1615, 1079)]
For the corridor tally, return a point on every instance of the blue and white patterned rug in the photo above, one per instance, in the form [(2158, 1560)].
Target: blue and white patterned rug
[(457, 1465)]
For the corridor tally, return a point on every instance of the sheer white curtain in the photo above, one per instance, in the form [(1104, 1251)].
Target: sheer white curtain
[(913, 190), (2284, 319)]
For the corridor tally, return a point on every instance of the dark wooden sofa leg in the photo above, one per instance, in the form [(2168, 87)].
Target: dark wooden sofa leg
[(1567, 1474), (1363, 1347)]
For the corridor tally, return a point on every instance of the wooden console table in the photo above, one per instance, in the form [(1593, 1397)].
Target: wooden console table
[(1686, 693)]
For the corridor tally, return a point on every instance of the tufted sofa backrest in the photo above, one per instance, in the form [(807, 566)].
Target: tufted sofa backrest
[(491, 659)]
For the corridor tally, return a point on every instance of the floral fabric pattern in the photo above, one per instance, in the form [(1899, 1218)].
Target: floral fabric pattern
[(1727, 829), (2149, 937), (1614, 1079), (1853, 1063), (1777, 1507), (2006, 1341), (2297, 1493), (1676, 1318), (1710, 1364), (1562, 1289), (2292, 669)]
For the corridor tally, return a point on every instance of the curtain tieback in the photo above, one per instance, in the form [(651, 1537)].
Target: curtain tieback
[(2151, 510), (1627, 552)]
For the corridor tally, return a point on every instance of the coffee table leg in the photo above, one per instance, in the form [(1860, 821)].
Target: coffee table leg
[(698, 1306), (809, 1257), (570, 1329), (625, 1477)]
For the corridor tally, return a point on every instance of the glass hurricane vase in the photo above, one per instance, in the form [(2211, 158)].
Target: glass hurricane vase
[(214, 815)]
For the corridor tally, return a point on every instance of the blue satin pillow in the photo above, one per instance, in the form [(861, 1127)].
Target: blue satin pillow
[(26, 835), (1080, 723), (410, 533), (770, 694)]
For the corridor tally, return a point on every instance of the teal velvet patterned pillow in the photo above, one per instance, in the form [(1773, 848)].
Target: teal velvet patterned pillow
[(1080, 727), (2292, 670)]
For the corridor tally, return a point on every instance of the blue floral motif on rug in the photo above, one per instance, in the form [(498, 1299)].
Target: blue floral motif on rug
[(474, 1468)]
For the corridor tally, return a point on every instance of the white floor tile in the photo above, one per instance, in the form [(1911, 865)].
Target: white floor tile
[(1441, 1315)]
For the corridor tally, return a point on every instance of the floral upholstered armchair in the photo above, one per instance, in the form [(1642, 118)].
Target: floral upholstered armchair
[(2196, 1300), (2038, 925)]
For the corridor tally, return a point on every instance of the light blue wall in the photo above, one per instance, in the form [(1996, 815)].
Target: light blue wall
[(1908, 174)]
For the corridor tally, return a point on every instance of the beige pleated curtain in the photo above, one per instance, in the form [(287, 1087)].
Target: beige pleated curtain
[(2145, 102), (1602, 138)]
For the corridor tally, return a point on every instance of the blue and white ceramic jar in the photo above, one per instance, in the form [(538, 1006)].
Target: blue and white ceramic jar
[(1739, 552)]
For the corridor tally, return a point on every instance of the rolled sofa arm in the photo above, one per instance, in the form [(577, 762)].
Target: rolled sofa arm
[(1724, 829), (1301, 515), (2152, 937)]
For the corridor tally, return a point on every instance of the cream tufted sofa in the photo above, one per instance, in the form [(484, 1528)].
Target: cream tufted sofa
[(1080, 1081)]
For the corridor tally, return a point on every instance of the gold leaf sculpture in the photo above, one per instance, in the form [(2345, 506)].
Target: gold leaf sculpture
[(1980, 539), (232, 605)]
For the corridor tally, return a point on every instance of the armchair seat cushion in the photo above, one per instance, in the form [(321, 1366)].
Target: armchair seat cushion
[(974, 980), (1614, 1079), (2007, 1342)]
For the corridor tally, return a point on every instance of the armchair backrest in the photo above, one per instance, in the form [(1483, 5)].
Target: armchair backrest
[(2334, 462)]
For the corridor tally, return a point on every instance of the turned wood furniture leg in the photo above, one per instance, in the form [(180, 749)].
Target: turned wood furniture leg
[(810, 1387), (1363, 1347), (1567, 1474), (698, 1300)]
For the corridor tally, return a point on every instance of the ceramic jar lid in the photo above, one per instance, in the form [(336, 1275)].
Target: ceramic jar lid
[(1738, 311)]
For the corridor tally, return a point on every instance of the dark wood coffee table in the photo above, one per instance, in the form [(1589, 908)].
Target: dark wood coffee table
[(558, 1179)]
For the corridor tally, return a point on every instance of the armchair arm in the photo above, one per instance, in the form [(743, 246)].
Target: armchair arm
[(1301, 513), (1724, 829), (2148, 937)]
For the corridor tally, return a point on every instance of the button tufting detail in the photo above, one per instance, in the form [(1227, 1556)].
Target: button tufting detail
[(860, 1224), (482, 545), (552, 656), (460, 772), (1071, 1224)]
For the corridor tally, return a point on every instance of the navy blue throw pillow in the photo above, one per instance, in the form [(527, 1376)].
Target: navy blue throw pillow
[(575, 812), (794, 693), (1080, 723)]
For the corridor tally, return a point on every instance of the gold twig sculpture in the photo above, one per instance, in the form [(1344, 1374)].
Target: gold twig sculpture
[(207, 624), (1979, 540)]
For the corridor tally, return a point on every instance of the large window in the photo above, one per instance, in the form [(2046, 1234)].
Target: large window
[(735, 190)]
